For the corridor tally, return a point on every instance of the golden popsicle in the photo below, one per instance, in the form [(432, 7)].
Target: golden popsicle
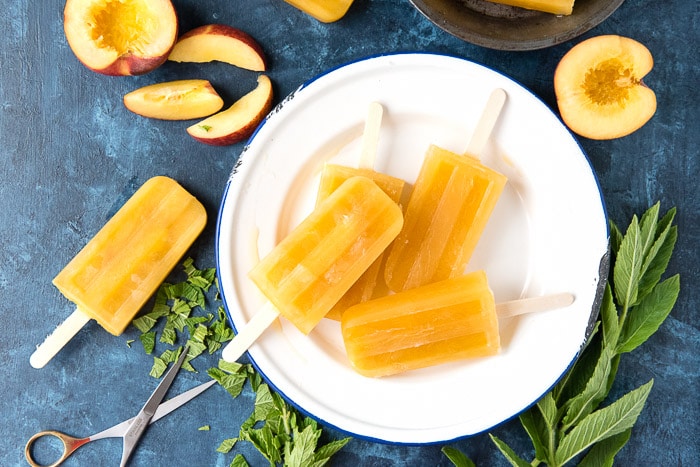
[(312, 267), (111, 278), (447, 211), (557, 7), (326, 11), (437, 323), (334, 175)]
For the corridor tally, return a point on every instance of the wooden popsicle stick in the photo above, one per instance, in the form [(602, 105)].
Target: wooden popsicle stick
[(253, 329), (370, 136), (58, 338), (534, 304), (486, 122)]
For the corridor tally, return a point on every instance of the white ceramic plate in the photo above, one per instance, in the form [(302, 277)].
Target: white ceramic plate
[(547, 234)]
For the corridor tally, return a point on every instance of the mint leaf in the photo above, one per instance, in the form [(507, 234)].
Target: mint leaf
[(628, 263), (226, 445), (239, 461), (158, 368), (594, 392), (609, 319), (509, 454), (232, 382), (300, 452), (148, 340), (538, 431), (645, 319), (325, 452), (658, 255), (618, 417), (264, 441), (457, 457), (603, 453)]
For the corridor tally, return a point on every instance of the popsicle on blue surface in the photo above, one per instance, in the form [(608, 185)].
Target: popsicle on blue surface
[(114, 274)]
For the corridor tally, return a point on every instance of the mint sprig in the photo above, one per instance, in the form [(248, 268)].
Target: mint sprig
[(569, 424)]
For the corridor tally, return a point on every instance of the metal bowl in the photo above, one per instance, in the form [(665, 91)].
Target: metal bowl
[(504, 27)]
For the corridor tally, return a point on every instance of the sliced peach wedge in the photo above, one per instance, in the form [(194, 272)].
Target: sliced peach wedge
[(238, 121), (126, 37), (599, 88), (222, 43), (175, 100)]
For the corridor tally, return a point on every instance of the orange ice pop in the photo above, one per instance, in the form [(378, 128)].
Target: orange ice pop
[(311, 268), (441, 322), (111, 278), (326, 11), (334, 175), (448, 209)]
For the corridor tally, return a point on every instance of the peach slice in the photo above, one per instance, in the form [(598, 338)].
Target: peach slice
[(175, 100), (219, 42), (127, 37), (238, 121), (599, 87)]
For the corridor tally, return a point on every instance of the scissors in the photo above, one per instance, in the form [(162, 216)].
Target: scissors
[(130, 430)]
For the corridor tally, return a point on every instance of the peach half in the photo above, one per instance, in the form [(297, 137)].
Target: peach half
[(175, 100), (599, 87), (238, 121), (125, 37), (221, 43)]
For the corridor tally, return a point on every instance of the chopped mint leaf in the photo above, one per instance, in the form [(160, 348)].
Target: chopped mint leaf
[(226, 445), (239, 461), (148, 340), (159, 367)]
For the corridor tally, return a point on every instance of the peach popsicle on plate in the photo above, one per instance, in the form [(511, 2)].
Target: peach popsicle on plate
[(448, 209), (334, 175), (312, 267), (441, 322), (114, 274)]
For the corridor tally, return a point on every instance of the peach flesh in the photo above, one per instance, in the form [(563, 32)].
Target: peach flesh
[(599, 87), (114, 37)]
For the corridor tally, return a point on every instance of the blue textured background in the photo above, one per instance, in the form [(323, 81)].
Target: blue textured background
[(71, 154)]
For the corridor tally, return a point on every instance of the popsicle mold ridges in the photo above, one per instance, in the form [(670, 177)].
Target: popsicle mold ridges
[(112, 277), (313, 266), (446, 214), (434, 324)]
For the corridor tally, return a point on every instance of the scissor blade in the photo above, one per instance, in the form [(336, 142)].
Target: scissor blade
[(143, 418), (164, 409)]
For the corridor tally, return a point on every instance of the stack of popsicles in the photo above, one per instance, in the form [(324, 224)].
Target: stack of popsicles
[(111, 278), (437, 313)]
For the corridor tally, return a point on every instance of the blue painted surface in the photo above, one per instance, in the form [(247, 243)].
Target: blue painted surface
[(72, 154)]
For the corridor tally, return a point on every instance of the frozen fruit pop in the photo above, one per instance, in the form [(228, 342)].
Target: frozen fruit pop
[(312, 267), (333, 176), (326, 11), (448, 209), (430, 325), (111, 278)]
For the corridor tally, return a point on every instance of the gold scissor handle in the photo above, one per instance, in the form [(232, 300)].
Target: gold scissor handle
[(70, 444)]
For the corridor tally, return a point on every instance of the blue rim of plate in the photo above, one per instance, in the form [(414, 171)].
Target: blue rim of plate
[(603, 269)]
